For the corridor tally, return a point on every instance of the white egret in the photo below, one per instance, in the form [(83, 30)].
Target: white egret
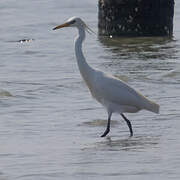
[(115, 95)]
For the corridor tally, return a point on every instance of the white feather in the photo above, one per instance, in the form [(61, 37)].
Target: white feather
[(114, 94)]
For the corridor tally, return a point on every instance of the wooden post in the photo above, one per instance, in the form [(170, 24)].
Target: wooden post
[(136, 17)]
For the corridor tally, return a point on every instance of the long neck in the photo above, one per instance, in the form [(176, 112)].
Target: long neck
[(84, 68)]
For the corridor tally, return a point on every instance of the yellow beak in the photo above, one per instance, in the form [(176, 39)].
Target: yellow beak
[(61, 26)]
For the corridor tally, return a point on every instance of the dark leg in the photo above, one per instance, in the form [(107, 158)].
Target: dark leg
[(129, 124), (108, 125)]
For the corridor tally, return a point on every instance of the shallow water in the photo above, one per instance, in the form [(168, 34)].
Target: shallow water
[(50, 125)]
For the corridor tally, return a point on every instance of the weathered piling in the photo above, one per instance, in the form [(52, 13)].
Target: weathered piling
[(136, 17)]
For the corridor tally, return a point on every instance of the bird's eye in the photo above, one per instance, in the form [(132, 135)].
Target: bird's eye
[(73, 21)]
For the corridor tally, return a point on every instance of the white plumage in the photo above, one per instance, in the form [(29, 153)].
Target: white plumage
[(114, 94), (111, 91)]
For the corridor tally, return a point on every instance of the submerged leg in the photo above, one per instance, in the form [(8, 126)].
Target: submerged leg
[(108, 125), (128, 123)]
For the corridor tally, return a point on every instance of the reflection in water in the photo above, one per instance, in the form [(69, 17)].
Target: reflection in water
[(99, 122), (138, 143), (4, 93), (140, 57), (140, 47), (111, 156)]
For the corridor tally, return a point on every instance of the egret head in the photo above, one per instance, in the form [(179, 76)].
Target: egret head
[(74, 22)]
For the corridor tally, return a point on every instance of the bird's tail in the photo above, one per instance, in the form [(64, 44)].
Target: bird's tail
[(153, 107)]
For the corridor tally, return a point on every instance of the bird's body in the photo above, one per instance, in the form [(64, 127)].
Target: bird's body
[(114, 94), (117, 96)]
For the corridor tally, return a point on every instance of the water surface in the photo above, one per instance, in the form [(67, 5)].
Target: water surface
[(50, 126)]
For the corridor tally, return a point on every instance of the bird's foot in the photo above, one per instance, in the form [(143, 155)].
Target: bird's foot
[(105, 133), (129, 124), (131, 134)]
